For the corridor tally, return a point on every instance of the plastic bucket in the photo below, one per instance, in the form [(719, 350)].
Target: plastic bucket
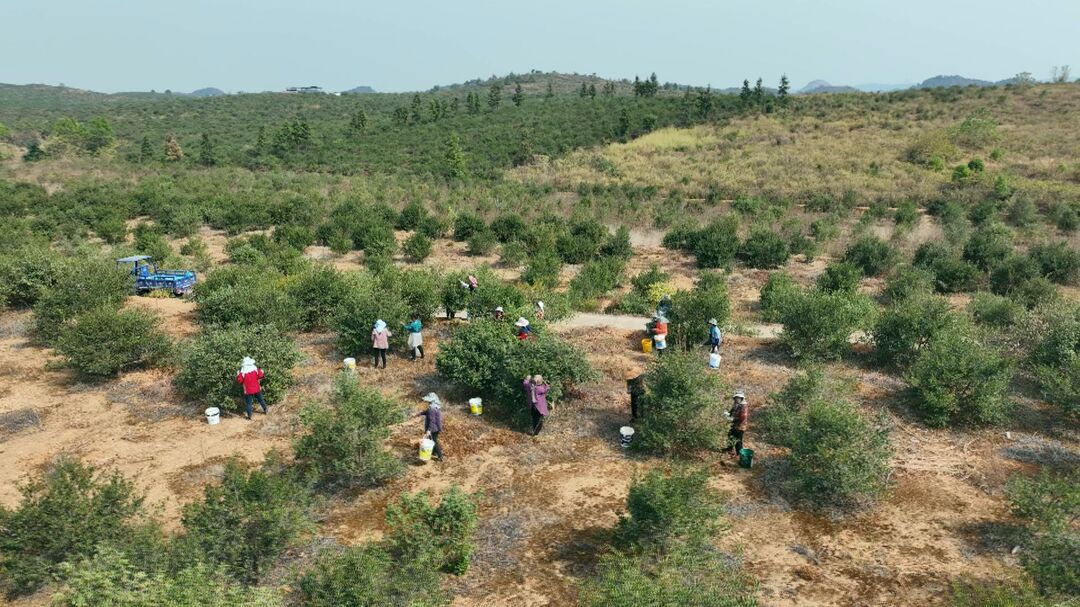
[(746, 458), (349, 364), (661, 342), (426, 447), (476, 406), (626, 434), (213, 416), (714, 361), (646, 345)]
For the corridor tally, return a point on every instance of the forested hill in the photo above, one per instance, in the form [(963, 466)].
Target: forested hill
[(489, 126)]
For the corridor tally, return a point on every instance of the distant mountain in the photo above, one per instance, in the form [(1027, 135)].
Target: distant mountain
[(881, 87), (207, 92), (360, 89), (938, 82), (815, 87)]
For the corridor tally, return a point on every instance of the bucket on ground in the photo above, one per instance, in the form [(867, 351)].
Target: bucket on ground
[(426, 447), (213, 415), (626, 434), (714, 361), (746, 458), (646, 345), (476, 406), (661, 342), (349, 364)]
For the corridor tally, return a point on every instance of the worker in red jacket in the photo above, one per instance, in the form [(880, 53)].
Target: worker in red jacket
[(249, 376)]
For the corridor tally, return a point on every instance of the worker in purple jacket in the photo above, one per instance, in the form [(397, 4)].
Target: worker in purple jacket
[(433, 422), (536, 391)]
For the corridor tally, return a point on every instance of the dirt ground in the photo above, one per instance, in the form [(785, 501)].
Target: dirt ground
[(549, 503)]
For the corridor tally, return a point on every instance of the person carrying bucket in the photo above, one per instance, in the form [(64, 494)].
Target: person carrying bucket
[(433, 424), (248, 376), (635, 387), (738, 413), (524, 330), (536, 391), (658, 330), (416, 338), (716, 337), (380, 341)]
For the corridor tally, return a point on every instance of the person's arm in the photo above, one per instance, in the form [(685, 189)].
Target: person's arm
[(261, 373), (239, 377)]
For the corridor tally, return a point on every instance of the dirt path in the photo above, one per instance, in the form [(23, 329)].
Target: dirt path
[(624, 322)]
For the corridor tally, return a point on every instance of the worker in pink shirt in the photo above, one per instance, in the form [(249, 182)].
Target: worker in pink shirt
[(249, 376)]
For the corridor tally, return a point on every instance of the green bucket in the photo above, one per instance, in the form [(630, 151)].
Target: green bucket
[(746, 458)]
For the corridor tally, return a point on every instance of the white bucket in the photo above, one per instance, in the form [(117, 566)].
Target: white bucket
[(714, 361), (476, 406), (213, 416), (626, 434), (426, 447), (661, 342), (349, 364)]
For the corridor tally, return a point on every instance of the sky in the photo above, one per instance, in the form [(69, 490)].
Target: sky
[(257, 45)]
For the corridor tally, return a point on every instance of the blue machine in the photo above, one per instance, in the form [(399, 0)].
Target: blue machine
[(149, 278)]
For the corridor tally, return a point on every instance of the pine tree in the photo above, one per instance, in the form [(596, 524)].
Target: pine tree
[(622, 129), (550, 91), (455, 105), (759, 93), (33, 152), (495, 96), (583, 92), (637, 87), (782, 90), (358, 122), (207, 157), (519, 96), (400, 115), (524, 152), (608, 89), (744, 94), (260, 140), (704, 102), (173, 151), (146, 151), (415, 108), (592, 91), (654, 85), (455, 158)]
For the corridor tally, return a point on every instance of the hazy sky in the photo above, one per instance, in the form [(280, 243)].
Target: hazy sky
[(252, 45)]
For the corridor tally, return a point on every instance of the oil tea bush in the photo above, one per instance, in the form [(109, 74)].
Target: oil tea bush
[(716, 244), (908, 281), (872, 255), (1055, 354), (441, 535), (840, 277), (466, 224), (208, 366), (582, 242), (254, 300), (691, 310), (104, 342), (83, 285), (417, 247), (958, 381), (988, 245), (817, 325), (28, 272), (369, 575), (779, 290), (994, 310), (1058, 262), (665, 509), (597, 278), (342, 441), (482, 242), (682, 413), (640, 298), (357, 315), (905, 329), (1050, 505), (952, 274), (764, 249), (318, 293)]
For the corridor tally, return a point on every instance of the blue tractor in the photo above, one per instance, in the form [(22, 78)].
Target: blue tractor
[(149, 278)]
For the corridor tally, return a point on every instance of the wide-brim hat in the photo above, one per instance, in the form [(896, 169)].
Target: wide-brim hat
[(739, 394), (712, 321), (632, 373), (430, 397), (521, 322), (498, 308)]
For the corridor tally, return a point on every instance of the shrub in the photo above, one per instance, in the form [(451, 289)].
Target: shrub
[(411, 216), (1022, 212), (1055, 358), (417, 247), (908, 281), (905, 329), (776, 294), (764, 249), (582, 241), (817, 325), (951, 273), (681, 412), (691, 310), (930, 147), (667, 509), (543, 268), (958, 381), (508, 228), (715, 245), (342, 443), (209, 364), (258, 298), (872, 255), (466, 224), (1011, 273), (432, 227), (243, 523), (318, 293), (441, 535), (103, 342), (597, 278), (1065, 217), (418, 289), (513, 254), (148, 241), (369, 575), (839, 458), (840, 277), (356, 316), (64, 515), (907, 214), (294, 237), (994, 310), (1057, 261), (988, 245), (28, 272), (618, 245), (482, 242), (83, 285), (640, 300), (1050, 505)]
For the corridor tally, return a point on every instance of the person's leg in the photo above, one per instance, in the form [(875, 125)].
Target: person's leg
[(247, 404), (738, 441), (420, 349), (633, 406), (732, 438), (382, 355), (437, 451), (539, 424), (262, 401)]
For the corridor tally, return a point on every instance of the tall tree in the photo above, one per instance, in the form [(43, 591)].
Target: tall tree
[(592, 91), (654, 85), (704, 102), (519, 96), (759, 93), (608, 89), (400, 115), (745, 95), (260, 139), (97, 135), (495, 96), (456, 166), (358, 122), (783, 89), (173, 151), (146, 151), (207, 156), (583, 92), (550, 91), (638, 91), (415, 109), (622, 129)]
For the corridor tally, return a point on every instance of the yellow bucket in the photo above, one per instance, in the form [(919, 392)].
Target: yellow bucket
[(476, 406), (646, 345), (426, 447)]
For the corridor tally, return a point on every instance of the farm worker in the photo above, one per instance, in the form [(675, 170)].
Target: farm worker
[(716, 337), (635, 386), (536, 390), (248, 376), (380, 341), (659, 334), (499, 313), (524, 330), (739, 412), (473, 284), (663, 308), (416, 338), (538, 309), (433, 422)]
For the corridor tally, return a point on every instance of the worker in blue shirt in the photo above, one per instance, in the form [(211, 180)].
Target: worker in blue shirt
[(716, 337)]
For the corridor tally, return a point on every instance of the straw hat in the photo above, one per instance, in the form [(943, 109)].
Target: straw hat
[(632, 373), (521, 322), (740, 394), (430, 397), (712, 321), (498, 308)]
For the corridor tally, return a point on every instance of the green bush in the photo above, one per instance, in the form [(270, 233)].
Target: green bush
[(466, 224), (369, 576), (482, 242), (872, 255), (817, 325), (1050, 505), (294, 237), (958, 381), (907, 214), (417, 247), (764, 249), (342, 441), (209, 364), (779, 290), (411, 216), (952, 274), (908, 281), (1022, 212), (988, 245), (667, 509), (441, 535), (931, 148), (149, 241), (543, 268), (28, 272), (243, 523), (318, 293), (716, 244), (1055, 357), (418, 289), (994, 310), (980, 594), (83, 285), (258, 298), (582, 242), (1057, 261), (508, 228), (65, 514), (618, 245), (691, 310), (1018, 278), (640, 299), (513, 254), (681, 413), (103, 342), (839, 458), (840, 277), (369, 302), (905, 329), (597, 278)]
